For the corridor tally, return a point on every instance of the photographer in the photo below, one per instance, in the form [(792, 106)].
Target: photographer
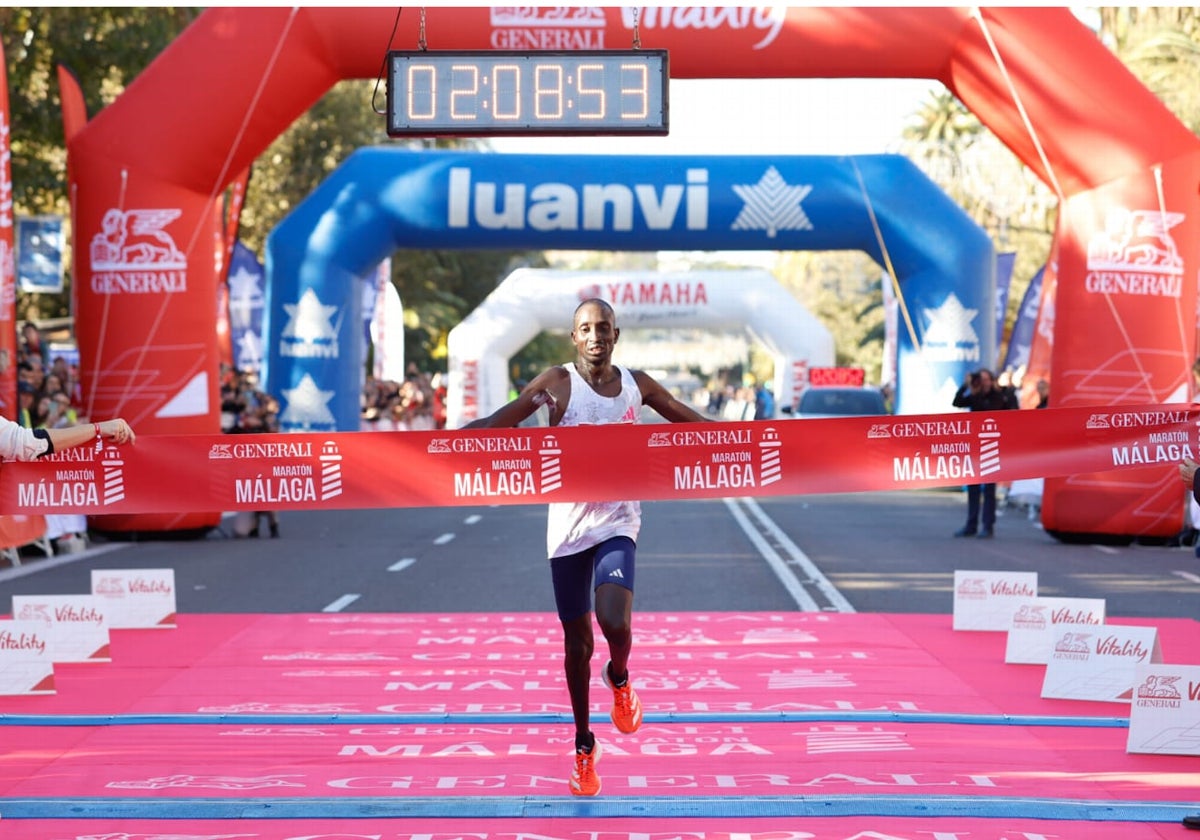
[(979, 393)]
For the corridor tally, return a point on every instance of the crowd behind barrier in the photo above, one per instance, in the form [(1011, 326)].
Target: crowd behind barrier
[(245, 409), (416, 404), (49, 396)]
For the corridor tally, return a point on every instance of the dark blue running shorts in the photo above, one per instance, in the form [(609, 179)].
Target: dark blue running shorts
[(608, 562)]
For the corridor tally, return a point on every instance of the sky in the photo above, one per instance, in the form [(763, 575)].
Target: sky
[(764, 116)]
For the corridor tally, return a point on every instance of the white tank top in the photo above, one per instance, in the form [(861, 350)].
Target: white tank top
[(572, 527)]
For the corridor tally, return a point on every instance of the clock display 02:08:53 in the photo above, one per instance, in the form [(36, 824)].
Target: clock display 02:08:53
[(495, 92)]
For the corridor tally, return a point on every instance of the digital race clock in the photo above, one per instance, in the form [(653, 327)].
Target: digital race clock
[(509, 92)]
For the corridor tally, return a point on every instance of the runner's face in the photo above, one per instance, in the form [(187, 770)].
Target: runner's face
[(595, 334)]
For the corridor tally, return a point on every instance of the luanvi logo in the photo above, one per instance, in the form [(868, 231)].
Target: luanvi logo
[(310, 332), (553, 205), (772, 205), (307, 408), (949, 336)]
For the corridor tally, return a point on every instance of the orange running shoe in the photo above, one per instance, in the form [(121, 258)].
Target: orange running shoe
[(626, 711), (584, 779)]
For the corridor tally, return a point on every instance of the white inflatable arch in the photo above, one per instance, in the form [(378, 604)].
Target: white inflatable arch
[(529, 301)]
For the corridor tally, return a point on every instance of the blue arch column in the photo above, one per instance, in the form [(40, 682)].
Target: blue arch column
[(384, 199)]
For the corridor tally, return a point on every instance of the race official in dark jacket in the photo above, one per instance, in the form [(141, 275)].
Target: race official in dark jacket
[(979, 393)]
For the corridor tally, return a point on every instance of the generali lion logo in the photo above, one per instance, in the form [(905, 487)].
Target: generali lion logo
[(580, 28), (1073, 643), (1136, 240), (133, 254), (35, 612), (133, 240), (108, 585), (1030, 617), (972, 588), (1159, 687), (1135, 254)]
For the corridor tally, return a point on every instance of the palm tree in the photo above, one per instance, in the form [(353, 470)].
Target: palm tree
[(940, 133), (1162, 48), (943, 119)]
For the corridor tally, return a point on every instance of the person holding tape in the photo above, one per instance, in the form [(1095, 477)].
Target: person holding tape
[(18, 443), (593, 541)]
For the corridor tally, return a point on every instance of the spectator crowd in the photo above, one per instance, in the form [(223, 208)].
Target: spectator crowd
[(49, 396), (245, 408), (416, 404), (48, 391)]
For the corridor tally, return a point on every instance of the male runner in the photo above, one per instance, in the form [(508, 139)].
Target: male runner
[(589, 541)]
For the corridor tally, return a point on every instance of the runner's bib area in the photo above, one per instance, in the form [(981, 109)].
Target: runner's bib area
[(758, 725)]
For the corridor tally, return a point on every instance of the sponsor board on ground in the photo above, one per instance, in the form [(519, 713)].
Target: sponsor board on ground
[(1164, 717), (987, 600)]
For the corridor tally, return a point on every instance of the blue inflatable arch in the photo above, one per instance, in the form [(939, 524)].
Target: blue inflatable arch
[(384, 199)]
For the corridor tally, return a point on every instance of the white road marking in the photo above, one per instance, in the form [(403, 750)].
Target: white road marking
[(779, 565), (443, 539), (472, 519), (40, 564), (401, 565), (341, 603), (1188, 576)]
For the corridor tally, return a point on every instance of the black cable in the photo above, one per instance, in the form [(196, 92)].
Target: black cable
[(383, 64)]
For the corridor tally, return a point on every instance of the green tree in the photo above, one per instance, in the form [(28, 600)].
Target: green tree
[(106, 48), (996, 190), (842, 289), (1161, 46), (437, 288)]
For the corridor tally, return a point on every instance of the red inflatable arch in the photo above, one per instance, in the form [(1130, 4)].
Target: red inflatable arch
[(147, 172)]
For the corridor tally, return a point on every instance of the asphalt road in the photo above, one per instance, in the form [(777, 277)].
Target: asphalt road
[(869, 552)]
